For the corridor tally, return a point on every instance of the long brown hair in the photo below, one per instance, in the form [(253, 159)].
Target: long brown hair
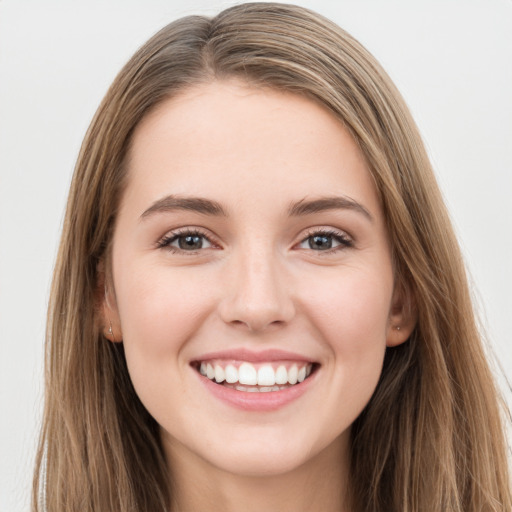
[(431, 437)]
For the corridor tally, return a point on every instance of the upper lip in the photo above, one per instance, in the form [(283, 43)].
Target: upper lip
[(242, 354)]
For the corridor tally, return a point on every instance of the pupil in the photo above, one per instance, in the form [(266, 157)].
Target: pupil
[(320, 242), (190, 242)]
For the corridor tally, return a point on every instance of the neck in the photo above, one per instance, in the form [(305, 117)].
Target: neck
[(318, 485)]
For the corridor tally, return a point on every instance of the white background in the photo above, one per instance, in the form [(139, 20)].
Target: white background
[(452, 60)]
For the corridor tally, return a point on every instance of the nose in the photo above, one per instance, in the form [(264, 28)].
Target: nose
[(257, 295)]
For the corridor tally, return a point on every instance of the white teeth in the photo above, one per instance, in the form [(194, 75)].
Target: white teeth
[(257, 389), (281, 375), (292, 375), (231, 374), (266, 376), (247, 374), (219, 374)]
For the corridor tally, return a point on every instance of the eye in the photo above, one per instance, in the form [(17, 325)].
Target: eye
[(326, 241), (185, 241)]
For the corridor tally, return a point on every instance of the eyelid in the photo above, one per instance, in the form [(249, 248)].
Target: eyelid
[(171, 235), (345, 240)]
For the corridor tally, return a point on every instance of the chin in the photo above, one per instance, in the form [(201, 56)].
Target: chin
[(267, 451), (261, 461)]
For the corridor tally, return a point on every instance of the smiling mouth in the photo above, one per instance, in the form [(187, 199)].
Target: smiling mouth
[(261, 377)]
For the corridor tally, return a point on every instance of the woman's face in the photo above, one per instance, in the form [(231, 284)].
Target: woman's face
[(250, 245)]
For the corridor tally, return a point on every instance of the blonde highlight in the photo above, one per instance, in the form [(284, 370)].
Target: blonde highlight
[(431, 437)]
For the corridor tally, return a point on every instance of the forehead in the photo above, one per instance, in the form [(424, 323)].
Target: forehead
[(239, 144)]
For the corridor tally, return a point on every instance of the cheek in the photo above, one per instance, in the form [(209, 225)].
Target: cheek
[(160, 307), (352, 315), (160, 311), (352, 308)]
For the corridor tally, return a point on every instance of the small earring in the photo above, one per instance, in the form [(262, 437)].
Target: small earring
[(109, 332), (397, 327)]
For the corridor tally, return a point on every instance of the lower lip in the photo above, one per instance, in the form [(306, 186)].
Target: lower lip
[(257, 401)]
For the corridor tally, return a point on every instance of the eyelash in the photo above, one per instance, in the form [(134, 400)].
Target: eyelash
[(345, 242), (167, 240), (342, 238)]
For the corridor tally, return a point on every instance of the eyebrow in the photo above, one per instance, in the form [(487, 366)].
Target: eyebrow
[(209, 207), (307, 207), (194, 204)]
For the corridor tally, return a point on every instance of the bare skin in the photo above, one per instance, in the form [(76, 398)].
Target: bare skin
[(317, 486), (251, 228)]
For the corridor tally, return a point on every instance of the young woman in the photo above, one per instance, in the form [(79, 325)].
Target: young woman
[(259, 302)]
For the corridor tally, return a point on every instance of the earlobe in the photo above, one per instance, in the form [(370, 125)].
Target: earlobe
[(397, 335), (111, 324), (109, 334), (108, 315), (402, 318)]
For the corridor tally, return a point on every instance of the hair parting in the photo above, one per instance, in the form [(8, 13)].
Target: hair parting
[(431, 438)]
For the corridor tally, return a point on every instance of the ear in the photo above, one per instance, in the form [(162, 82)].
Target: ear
[(403, 316), (108, 315)]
